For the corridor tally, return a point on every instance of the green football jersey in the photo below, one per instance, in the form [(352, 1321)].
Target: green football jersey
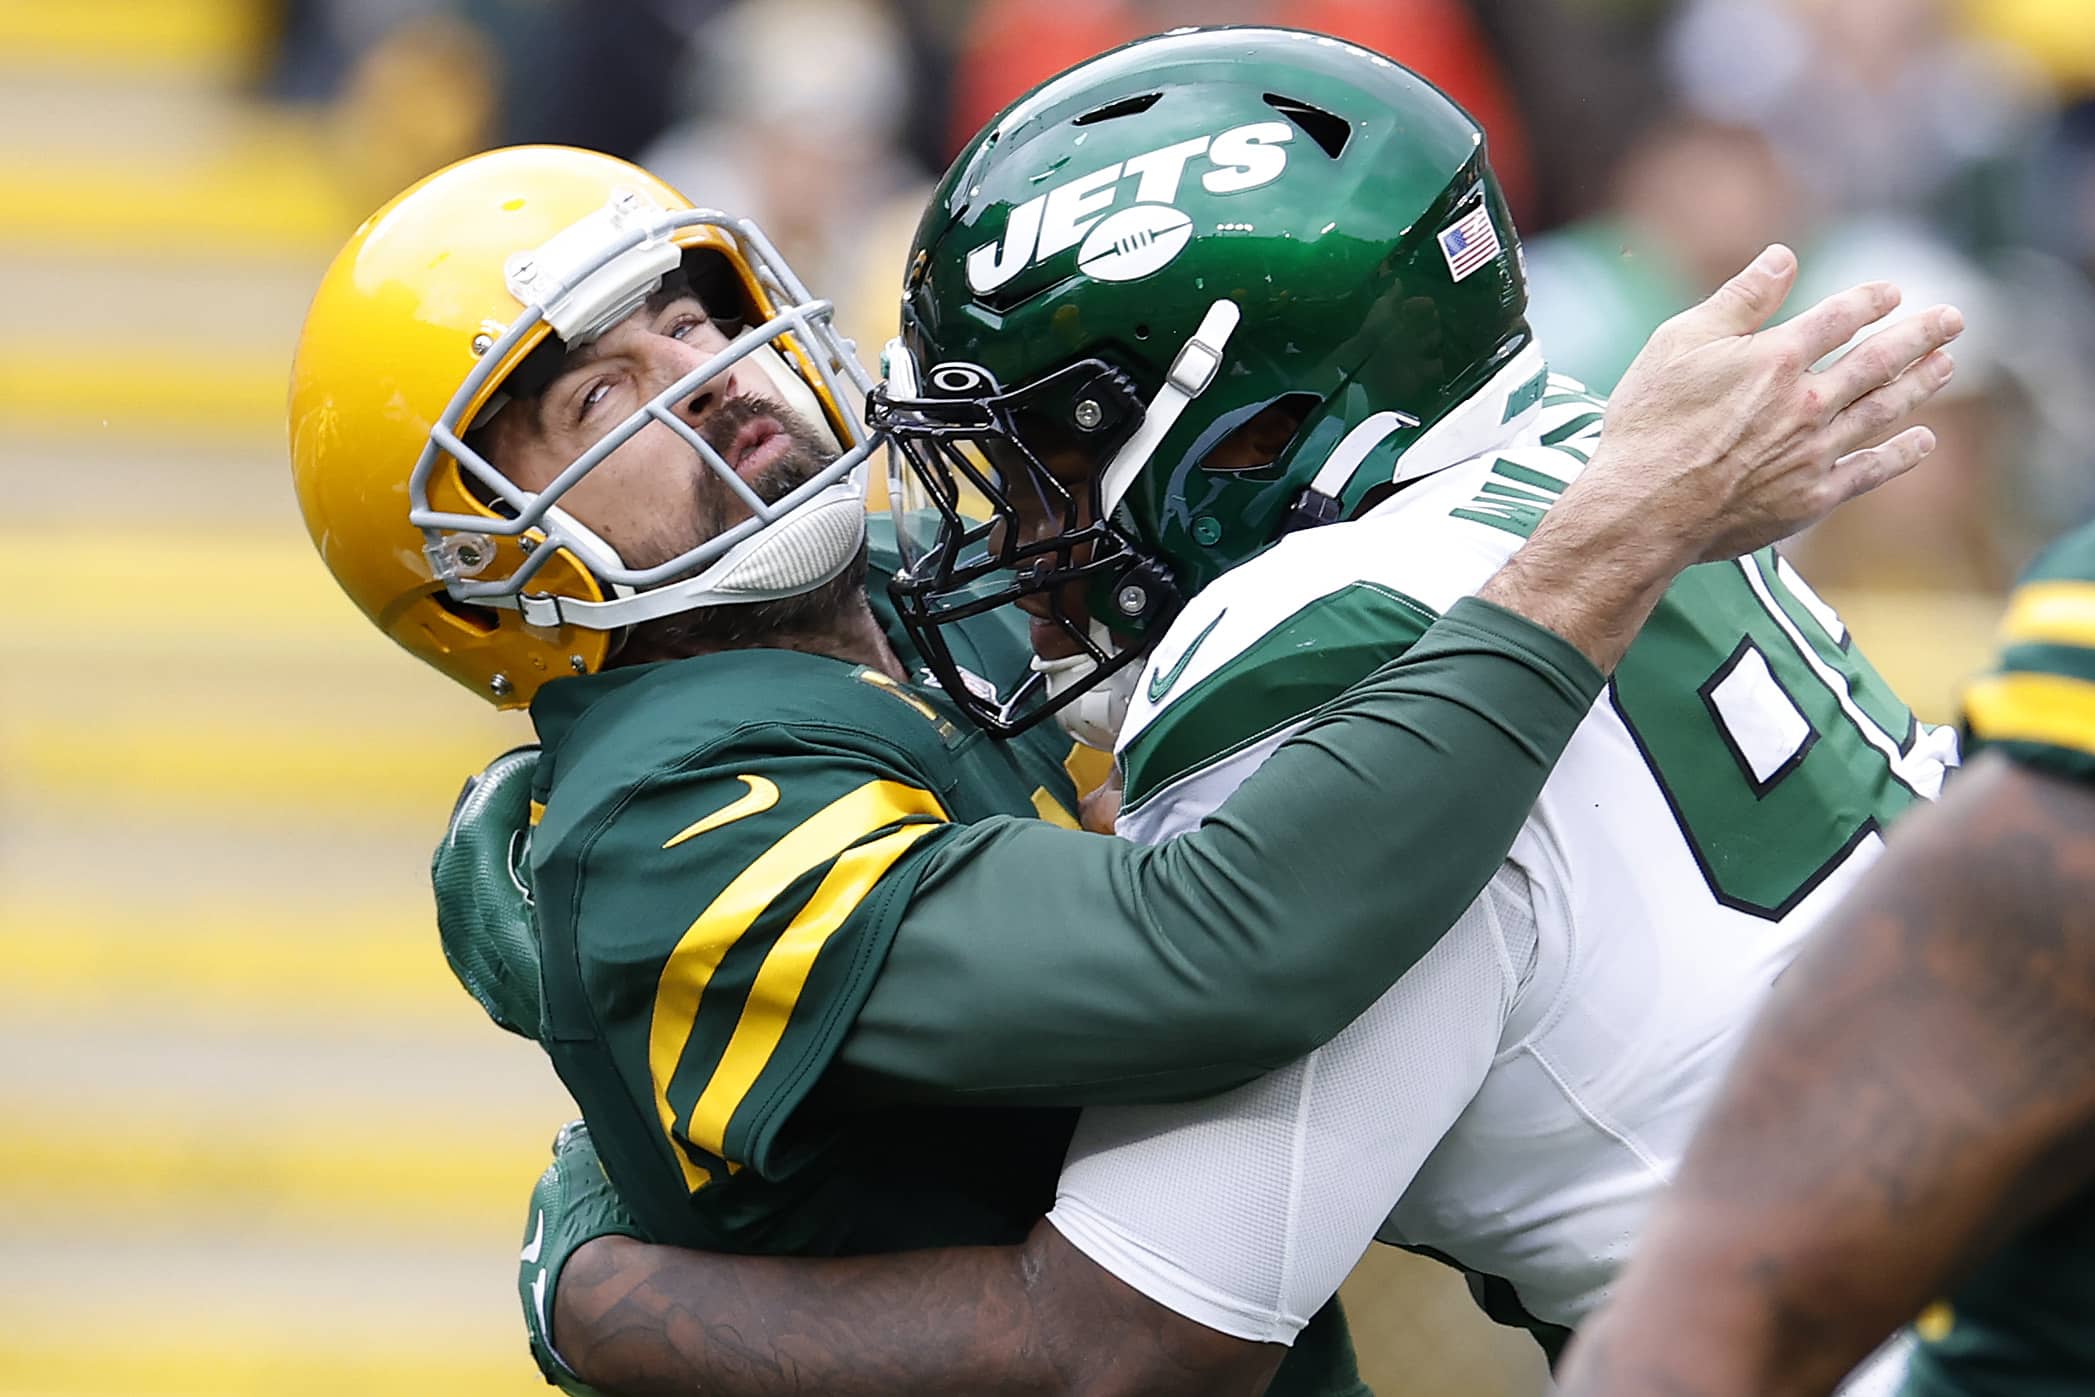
[(709, 869), (2023, 1325)]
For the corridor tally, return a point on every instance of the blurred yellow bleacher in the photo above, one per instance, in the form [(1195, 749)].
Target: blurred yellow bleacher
[(194, 39), (260, 1142)]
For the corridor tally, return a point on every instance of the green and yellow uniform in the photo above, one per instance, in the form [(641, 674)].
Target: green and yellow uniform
[(2023, 1325), (796, 919)]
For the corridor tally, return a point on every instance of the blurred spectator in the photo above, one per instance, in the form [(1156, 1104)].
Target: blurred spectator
[(2056, 36), (425, 92), (1946, 526), (2015, 461), (605, 74), (1692, 202), (804, 105), (1013, 45), (2060, 202), (406, 86), (1585, 75), (1875, 104)]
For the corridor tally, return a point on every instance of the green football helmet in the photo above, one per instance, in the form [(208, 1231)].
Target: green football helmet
[(1132, 262)]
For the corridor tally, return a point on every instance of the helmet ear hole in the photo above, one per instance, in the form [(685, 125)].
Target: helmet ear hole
[(484, 619), (1262, 438)]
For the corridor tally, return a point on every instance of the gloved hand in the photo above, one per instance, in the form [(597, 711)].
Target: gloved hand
[(573, 1203)]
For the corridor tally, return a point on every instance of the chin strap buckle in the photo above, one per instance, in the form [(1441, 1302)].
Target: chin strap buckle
[(539, 610), (1313, 509)]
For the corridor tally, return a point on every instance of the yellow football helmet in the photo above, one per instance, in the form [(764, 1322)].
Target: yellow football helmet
[(435, 303)]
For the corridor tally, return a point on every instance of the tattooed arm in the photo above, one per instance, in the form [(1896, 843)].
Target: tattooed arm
[(1921, 1085), (1041, 1318)]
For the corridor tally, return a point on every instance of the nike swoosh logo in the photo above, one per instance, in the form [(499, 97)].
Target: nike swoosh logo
[(762, 796), (538, 1301), (1161, 681), (538, 1241)]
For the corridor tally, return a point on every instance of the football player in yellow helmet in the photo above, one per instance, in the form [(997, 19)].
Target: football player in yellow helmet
[(717, 454)]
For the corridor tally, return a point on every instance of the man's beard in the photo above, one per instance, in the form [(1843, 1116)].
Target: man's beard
[(804, 615)]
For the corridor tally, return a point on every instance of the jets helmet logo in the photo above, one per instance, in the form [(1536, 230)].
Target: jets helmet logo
[(1135, 241)]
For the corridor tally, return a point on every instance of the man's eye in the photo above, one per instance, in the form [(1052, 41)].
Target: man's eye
[(591, 396), (684, 325)]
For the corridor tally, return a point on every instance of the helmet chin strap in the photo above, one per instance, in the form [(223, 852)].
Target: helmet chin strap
[(1191, 371), (807, 548), (1094, 716)]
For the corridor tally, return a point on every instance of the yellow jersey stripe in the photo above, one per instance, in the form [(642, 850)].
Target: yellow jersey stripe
[(886, 685), (699, 951), (2043, 708), (1088, 767), (2051, 613), (1052, 810), (761, 796), (783, 975)]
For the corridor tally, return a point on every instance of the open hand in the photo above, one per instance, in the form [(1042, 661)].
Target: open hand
[(1727, 439)]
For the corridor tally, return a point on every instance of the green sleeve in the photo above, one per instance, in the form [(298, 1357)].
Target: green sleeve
[(1035, 965)]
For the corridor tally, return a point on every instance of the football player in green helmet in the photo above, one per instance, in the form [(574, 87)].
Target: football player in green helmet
[(1222, 333), (1199, 292)]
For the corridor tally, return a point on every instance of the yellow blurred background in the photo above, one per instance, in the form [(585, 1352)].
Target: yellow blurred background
[(258, 1140)]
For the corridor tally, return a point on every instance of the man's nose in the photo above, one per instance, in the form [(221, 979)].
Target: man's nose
[(703, 400)]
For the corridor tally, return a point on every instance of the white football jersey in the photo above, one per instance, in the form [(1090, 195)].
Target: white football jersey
[(1516, 1101)]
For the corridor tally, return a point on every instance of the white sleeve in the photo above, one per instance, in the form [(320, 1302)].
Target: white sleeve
[(1245, 1211)]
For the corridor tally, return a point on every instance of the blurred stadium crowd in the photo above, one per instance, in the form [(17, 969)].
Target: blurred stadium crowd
[(260, 1142), (1648, 149)]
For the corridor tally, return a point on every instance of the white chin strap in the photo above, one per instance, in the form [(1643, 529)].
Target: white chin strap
[(1093, 717), (799, 553), (1192, 369)]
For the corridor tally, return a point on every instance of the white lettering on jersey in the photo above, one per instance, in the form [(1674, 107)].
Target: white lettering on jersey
[(1243, 157)]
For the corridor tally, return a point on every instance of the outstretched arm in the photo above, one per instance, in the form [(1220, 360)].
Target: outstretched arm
[(634, 1318), (1921, 1085), (638, 1319), (1720, 439)]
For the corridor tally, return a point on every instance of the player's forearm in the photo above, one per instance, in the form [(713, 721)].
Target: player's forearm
[(1044, 966), (1593, 570), (638, 1319), (1919, 1087)]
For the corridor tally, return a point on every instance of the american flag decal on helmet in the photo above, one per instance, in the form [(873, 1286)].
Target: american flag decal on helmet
[(1469, 242)]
